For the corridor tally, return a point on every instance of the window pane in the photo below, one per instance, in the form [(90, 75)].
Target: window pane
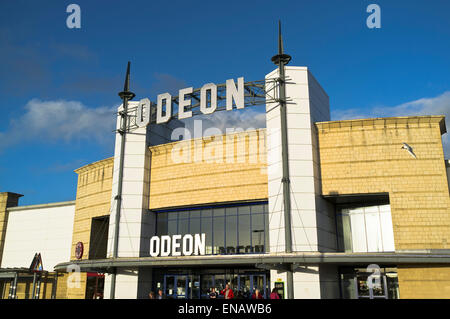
[(219, 211), (358, 230), (206, 212), (257, 209), (373, 230), (183, 215), (231, 234), (161, 224), (387, 231), (219, 235), (231, 211), (183, 226), (243, 210), (172, 215), (347, 233), (266, 232), (172, 227), (195, 213), (194, 226), (258, 232), (244, 235), (207, 229)]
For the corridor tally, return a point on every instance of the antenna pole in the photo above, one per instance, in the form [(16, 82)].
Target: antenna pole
[(281, 60), (125, 95)]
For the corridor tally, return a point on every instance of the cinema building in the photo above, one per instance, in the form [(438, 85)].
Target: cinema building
[(369, 218)]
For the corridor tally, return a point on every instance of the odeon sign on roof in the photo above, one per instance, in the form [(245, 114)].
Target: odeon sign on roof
[(164, 105)]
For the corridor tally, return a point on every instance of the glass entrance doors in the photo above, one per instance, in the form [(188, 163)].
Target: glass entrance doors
[(180, 286), (374, 287), (360, 283)]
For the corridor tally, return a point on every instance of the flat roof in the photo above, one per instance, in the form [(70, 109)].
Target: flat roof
[(386, 121), (37, 206)]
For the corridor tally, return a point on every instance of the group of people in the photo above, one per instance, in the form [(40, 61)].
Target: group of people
[(160, 295), (227, 293)]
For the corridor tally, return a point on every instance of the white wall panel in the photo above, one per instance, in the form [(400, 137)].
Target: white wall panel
[(45, 230)]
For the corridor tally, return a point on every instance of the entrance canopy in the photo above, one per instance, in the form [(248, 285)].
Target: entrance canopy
[(263, 260)]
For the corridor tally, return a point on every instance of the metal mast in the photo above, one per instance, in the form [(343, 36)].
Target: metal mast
[(125, 95), (281, 60)]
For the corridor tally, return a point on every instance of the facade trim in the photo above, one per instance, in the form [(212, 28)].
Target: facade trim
[(294, 258), (56, 204)]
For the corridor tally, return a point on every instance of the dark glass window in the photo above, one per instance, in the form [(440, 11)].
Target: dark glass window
[(195, 213), (161, 224), (207, 213), (231, 233), (257, 209), (244, 210), (206, 228), (219, 235), (229, 230), (231, 211), (194, 226), (258, 232), (219, 212), (184, 215), (183, 226), (172, 227), (244, 235)]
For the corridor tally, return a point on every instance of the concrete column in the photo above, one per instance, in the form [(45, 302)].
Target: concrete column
[(312, 218)]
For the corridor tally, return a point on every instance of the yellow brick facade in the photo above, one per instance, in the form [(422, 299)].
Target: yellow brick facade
[(93, 200), (365, 156), (219, 169), (418, 282)]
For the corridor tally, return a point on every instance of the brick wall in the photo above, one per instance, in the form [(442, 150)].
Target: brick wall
[(93, 199), (224, 168), (418, 282), (365, 156)]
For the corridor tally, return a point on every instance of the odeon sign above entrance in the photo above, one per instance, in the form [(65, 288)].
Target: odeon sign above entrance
[(177, 245), (207, 98)]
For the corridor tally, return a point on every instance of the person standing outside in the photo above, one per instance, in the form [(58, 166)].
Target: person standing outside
[(257, 294), (160, 295), (274, 294), (213, 294), (227, 292)]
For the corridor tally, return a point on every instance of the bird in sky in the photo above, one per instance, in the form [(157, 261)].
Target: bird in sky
[(409, 149)]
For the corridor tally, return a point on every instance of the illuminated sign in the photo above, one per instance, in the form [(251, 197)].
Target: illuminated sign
[(177, 245), (208, 97)]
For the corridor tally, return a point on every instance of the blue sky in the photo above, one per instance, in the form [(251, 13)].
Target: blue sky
[(55, 81)]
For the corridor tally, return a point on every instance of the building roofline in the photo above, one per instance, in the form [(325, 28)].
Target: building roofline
[(382, 121), (38, 206), (94, 164)]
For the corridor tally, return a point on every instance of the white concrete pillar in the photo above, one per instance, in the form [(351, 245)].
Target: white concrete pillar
[(312, 218), (137, 224)]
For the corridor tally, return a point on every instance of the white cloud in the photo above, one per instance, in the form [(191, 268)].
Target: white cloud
[(60, 120), (439, 105)]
